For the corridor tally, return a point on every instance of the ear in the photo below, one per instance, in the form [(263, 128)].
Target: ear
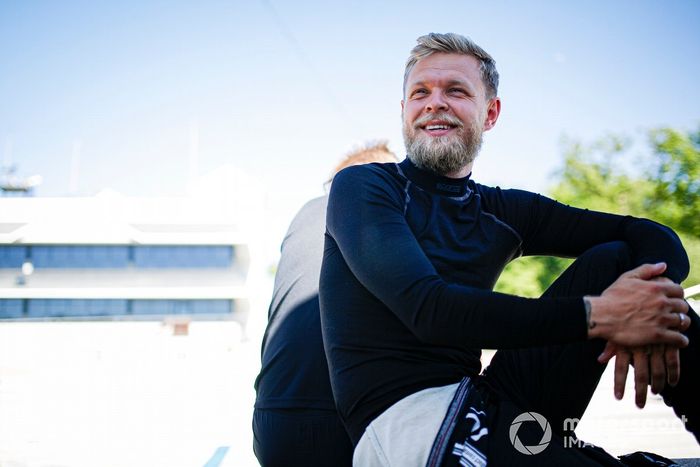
[(492, 112), (401, 106)]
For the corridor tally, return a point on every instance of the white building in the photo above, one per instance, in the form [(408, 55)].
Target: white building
[(115, 257)]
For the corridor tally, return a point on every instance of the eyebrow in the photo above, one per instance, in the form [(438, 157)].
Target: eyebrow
[(451, 82), (413, 85), (458, 82)]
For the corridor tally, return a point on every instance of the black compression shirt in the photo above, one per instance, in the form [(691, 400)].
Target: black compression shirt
[(294, 373), (409, 265)]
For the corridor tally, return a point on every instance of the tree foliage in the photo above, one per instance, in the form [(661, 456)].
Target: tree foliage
[(676, 197), (662, 183)]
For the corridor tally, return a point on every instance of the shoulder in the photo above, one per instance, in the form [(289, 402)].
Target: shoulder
[(375, 179), (375, 171), (522, 210), (313, 207), (363, 194), (506, 198), (311, 213)]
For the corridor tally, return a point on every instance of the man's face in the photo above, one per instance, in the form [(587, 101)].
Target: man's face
[(445, 112)]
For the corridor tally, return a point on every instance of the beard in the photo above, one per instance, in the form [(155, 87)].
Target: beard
[(443, 154)]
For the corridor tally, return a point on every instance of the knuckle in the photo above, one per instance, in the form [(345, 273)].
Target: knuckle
[(660, 302)]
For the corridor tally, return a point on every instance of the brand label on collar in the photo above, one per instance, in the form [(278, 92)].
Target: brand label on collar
[(446, 187)]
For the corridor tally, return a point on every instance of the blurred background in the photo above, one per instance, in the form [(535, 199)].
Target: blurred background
[(153, 154)]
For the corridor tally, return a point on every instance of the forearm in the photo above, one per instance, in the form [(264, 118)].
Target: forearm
[(453, 314)]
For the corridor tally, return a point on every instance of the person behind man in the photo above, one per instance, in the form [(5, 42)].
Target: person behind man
[(412, 253), (295, 422)]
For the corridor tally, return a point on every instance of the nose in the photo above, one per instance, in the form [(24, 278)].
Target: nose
[(436, 102)]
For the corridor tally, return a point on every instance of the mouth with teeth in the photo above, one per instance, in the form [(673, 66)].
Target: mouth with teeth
[(437, 129), (437, 126)]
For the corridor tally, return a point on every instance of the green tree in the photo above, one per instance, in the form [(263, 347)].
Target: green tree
[(662, 183), (675, 200)]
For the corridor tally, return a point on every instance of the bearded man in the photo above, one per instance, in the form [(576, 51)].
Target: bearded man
[(412, 253)]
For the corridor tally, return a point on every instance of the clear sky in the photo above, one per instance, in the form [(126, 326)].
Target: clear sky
[(140, 96)]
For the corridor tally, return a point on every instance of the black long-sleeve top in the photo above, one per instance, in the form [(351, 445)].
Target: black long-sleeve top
[(409, 265), (294, 373)]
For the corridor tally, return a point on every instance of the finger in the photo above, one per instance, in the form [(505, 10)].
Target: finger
[(673, 364), (671, 289), (683, 321), (671, 337), (662, 279), (641, 376), (646, 271), (657, 364), (622, 362), (676, 320), (608, 352)]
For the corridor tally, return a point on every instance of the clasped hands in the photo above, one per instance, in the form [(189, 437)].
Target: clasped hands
[(641, 315)]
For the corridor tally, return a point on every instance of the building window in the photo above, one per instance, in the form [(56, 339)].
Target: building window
[(55, 308), (180, 307), (194, 256), (11, 308), (71, 308), (117, 256), (80, 256), (12, 256)]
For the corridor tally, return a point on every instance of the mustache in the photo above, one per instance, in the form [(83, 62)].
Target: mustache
[(447, 118)]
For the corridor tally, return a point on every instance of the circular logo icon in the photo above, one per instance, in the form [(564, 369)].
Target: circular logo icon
[(546, 433)]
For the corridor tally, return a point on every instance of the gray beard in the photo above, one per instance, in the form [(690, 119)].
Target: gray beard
[(443, 155)]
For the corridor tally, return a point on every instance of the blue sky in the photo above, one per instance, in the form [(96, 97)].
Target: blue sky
[(283, 89)]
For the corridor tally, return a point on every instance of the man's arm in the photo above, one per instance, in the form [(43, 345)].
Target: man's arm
[(365, 218), (551, 227), (555, 229)]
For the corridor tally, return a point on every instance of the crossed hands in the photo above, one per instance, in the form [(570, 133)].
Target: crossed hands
[(644, 330)]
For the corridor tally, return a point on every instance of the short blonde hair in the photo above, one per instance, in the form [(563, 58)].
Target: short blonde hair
[(452, 43), (377, 151)]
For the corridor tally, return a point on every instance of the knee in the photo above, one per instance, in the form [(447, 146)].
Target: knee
[(614, 257)]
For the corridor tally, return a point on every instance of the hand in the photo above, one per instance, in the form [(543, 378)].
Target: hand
[(663, 361), (636, 310)]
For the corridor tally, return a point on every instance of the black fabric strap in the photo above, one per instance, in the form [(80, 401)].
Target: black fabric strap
[(462, 440)]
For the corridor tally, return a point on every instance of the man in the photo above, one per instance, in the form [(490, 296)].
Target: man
[(295, 422), (412, 253)]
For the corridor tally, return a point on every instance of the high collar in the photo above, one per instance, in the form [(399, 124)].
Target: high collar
[(430, 181)]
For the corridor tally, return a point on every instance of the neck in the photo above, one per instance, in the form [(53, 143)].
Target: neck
[(461, 173)]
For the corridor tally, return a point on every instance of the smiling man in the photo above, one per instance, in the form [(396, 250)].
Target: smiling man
[(412, 253), (444, 112)]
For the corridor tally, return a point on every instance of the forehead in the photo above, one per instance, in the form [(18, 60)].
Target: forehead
[(443, 66)]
